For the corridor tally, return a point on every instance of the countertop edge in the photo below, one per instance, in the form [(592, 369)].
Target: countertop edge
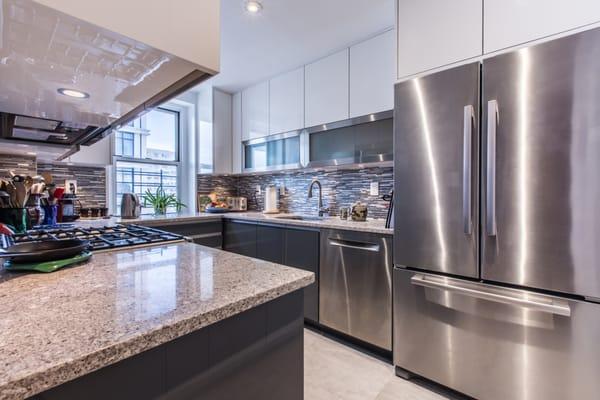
[(261, 218), (40, 381)]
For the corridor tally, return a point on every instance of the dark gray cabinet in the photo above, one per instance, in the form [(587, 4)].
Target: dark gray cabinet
[(301, 250), (270, 243), (240, 237), (279, 244)]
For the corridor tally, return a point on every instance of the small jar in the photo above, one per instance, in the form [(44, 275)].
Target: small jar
[(344, 212)]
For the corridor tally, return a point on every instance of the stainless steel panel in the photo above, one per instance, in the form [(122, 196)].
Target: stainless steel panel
[(355, 293), (547, 158), (429, 172), (496, 350)]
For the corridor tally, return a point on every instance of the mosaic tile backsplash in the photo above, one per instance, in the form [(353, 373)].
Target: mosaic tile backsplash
[(340, 188), (91, 181)]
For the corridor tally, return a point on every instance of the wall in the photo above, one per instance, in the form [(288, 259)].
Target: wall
[(21, 165), (340, 188), (91, 181)]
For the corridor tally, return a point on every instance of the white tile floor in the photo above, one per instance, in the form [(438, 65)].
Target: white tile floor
[(333, 371)]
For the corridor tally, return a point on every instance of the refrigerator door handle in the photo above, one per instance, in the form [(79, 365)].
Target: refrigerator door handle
[(468, 118), (492, 123), (514, 297)]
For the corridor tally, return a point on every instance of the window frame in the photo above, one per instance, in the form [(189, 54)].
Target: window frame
[(141, 129)]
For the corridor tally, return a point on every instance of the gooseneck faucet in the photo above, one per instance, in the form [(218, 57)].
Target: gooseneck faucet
[(322, 210)]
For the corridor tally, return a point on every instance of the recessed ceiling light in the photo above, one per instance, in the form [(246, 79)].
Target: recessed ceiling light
[(73, 93), (253, 7)]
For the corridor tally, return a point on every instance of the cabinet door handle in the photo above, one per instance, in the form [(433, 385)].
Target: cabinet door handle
[(354, 245)]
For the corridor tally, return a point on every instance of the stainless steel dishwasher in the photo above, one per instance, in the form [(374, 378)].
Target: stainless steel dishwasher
[(355, 293)]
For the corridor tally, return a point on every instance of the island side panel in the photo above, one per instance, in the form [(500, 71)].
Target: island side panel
[(257, 354)]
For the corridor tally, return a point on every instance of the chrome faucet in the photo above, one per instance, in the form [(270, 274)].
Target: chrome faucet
[(322, 210)]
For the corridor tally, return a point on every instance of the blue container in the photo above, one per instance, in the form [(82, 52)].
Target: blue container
[(50, 213)]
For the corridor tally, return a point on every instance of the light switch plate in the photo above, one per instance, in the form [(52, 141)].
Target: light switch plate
[(258, 189), (282, 190), (374, 188)]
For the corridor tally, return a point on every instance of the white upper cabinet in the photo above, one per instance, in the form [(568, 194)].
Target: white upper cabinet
[(255, 111), (236, 133), (372, 74), (433, 33), (326, 89), (512, 22), (286, 102)]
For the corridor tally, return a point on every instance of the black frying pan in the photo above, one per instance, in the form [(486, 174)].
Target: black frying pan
[(44, 251)]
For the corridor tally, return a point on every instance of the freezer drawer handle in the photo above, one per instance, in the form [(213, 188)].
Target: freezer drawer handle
[(468, 117), (492, 122), (354, 245), (552, 306)]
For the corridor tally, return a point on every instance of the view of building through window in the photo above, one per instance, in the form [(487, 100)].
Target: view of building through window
[(147, 155)]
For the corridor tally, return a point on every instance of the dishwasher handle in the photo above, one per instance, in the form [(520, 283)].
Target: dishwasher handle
[(351, 244)]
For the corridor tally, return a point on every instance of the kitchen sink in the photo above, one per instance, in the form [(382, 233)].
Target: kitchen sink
[(300, 217)]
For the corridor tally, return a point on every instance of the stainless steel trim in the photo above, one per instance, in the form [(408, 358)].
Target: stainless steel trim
[(492, 122), (205, 235), (270, 138), (371, 159), (351, 121), (468, 118), (514, 297), (354, 245), (273, 168)]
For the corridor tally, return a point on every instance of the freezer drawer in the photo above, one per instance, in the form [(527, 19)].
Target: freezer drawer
[(355, 285), (494, 343)]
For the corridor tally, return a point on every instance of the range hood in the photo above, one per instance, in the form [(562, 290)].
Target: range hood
[(66, 82)]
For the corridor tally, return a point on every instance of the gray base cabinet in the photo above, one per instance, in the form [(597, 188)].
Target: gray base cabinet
[(283, 245), (240, 237), (254, 355)]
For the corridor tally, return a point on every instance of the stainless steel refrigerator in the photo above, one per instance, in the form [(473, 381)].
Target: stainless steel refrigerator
[(497, 224)]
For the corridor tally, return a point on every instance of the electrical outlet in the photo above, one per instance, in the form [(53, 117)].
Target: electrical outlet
[(258, 189), (374, 189), (282, 190)]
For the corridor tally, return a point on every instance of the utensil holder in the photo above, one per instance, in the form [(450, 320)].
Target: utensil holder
[(15, 217), (50, 213)]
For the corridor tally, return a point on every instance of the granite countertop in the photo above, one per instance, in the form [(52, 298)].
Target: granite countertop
[(371, 225), (57, 327)]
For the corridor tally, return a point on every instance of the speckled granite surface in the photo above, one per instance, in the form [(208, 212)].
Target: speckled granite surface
[(371, 225), (56, 327)]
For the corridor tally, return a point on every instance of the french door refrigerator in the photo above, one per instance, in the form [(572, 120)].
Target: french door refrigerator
[(497, 224)]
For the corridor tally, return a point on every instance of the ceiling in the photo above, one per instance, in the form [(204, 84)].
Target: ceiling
[(290, 33)]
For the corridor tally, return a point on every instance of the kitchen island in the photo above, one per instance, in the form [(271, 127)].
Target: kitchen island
[(168, 320)]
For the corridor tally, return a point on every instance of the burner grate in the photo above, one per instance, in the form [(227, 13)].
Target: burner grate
[(109, 237)]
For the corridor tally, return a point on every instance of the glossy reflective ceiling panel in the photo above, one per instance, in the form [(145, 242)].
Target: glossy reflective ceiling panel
[(43, 50)]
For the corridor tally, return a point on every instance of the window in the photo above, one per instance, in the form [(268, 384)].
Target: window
[(147, 156)]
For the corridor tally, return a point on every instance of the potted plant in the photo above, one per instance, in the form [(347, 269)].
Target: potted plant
[(161, 201)]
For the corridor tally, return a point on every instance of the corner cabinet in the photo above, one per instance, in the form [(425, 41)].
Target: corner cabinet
[(509, 23), (255, 111), (294, 247), (326, 89), (433, 33), (286, 102), (372, 75)]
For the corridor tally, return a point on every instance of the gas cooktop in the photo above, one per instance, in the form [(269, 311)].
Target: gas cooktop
[(105, 238)]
